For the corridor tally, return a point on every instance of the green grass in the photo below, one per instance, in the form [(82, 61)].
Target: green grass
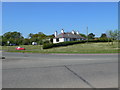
[(77, 48)]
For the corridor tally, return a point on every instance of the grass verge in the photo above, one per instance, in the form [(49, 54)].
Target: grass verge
[(77, 48)]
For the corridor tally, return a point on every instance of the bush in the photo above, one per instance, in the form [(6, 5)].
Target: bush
[(47, 46)]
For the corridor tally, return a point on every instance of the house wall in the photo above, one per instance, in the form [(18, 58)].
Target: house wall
[(60, 40), (65, 39), (54, 40)]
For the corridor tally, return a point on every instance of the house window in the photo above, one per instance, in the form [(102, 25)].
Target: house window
[(57, 39), (74, 39), (66, 39)]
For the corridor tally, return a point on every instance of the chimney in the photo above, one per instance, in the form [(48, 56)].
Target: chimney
[(77, 32), (73, 32), (56, 33), (62, 31)]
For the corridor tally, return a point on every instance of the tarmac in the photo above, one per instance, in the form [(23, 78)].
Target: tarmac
[(23, 70)]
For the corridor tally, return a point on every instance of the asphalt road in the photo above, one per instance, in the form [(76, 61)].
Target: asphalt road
[(21, 70)]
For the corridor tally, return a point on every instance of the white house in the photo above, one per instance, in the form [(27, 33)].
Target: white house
[(69, 36)]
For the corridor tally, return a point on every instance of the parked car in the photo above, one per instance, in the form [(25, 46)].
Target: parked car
[(12, 44), (20, 48)]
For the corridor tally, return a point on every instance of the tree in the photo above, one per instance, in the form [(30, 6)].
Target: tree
[(91, 36), (13, 35), (38, 37), (40, 33), (30, 35), (103, 35), (26, 41), (4, 41), (1, 40), (113, 35), (83, 35)]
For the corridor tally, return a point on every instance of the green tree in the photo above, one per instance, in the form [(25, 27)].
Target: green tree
[(83, 35), (103, 35), (26, 41), (38, 37), (114, 35), (30, 35), (41, 33), (1, 40), (12, 37), (4, 41), (91, 36)]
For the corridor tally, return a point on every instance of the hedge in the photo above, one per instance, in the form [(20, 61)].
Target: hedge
[(47, 46)]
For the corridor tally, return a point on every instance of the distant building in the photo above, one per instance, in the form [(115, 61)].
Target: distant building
[(68, 36)]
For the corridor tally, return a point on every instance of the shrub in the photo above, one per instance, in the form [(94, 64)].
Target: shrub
[(50, 45), (46, 46)]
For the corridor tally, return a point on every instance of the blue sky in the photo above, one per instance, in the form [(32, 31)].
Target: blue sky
[(48, 17)]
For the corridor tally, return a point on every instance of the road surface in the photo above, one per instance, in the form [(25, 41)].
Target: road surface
[(22, 70)]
